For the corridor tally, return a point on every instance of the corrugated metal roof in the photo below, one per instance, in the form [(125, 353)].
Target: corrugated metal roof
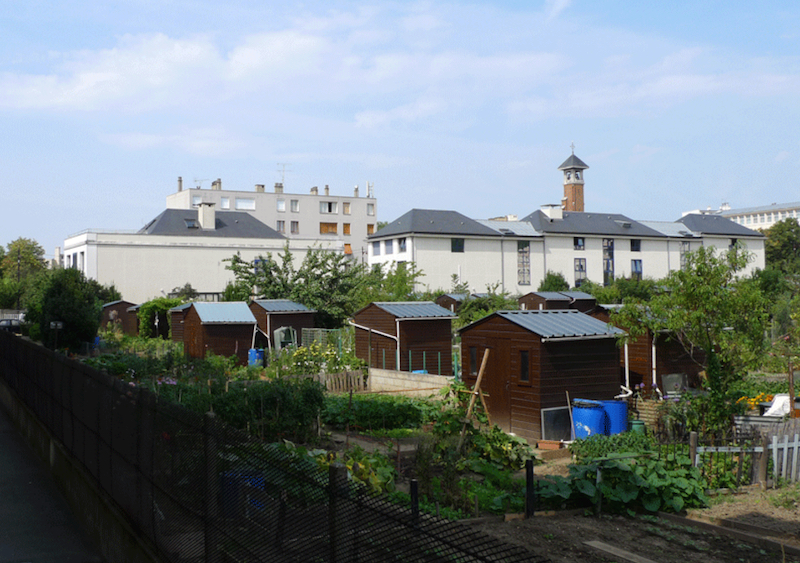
[(415, 310), (281, 306), (577, 294), (236, 312), (558, 324), (552, 295)]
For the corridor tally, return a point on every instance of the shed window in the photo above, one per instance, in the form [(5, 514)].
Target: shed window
[(524, 366), (456, 245), (473, 360)]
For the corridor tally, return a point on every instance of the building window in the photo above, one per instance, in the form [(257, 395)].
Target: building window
[(579, 243), (348, 249), (387, 247), (636, 245), (327, 207), (295, 205), (346, 229), (401, 244), (281, 205), (473, 360), (608, 261), (524, 366), (295, 227), (327, 228), (346, 208), (523, 262), (456, 245), (191, 223), (281, 227), (580, 271), (686, 248), (734, 242), (225, 203), (370, 209), (636, 270), (245, 203), (370, 229), (376, 248), (197, 200)]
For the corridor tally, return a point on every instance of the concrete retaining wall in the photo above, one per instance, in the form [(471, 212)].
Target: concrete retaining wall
[(106, 525), (405, 383)]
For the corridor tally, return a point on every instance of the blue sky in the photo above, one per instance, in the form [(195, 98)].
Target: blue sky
[(469, 106)]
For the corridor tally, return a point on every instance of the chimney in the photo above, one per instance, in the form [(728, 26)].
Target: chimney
[(327, 190), (206, 216), (260, 188), (355, 191), (553, 212), (216, 184), (278, 187), (180, 184), (315, 191)]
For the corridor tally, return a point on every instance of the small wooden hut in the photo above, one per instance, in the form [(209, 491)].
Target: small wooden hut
[(273, 314), (177, 316), (535, 359), (119, 315), (226, 329), (405, 336)]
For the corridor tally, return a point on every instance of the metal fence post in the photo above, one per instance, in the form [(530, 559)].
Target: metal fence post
[(530, 490), (212, 484)]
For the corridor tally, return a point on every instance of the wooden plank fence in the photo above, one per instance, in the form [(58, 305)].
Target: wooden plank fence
[(784, 457), (343, 382)]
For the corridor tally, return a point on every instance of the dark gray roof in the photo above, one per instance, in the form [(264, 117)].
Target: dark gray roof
[(580, 223), (117, 302), (551, 295), (573, 162), (716, 225), (428, 221), (233, 312), (228, 224), (550, 324), (181, 307), (282, 306), (456, 296), (415, 310)]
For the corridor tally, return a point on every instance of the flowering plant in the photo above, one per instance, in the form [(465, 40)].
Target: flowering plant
[(646, 392), (752, 402)]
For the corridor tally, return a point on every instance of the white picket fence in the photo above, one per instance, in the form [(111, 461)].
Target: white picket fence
[(784, 458)]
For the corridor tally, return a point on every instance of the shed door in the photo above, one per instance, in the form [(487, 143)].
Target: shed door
[(496, 383)]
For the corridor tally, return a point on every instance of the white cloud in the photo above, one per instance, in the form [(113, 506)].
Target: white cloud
[(554, 7)]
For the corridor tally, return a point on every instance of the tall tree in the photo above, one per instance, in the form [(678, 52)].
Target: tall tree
[(66, 296), (782, 247), (708, 306), (554, 281), (23, 258)]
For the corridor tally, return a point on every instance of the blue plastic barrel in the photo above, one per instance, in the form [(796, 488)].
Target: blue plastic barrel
[(255, 357), (588, 418), (616, 416)]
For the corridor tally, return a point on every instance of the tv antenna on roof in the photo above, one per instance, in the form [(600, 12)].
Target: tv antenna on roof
[(282, 170), (199, 181)]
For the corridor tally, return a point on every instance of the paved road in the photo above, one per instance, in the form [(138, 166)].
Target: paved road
[(36, 523)]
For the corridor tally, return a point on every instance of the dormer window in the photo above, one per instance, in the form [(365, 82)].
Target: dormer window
[(192, 223)]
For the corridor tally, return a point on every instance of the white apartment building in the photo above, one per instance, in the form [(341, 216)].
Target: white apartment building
[(318, 214), (180, 246)]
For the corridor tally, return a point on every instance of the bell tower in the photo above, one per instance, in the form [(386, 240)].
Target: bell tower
[(573, 169)]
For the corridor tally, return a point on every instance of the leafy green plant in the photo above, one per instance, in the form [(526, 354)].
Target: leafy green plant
[(372, 412), (597, 445)]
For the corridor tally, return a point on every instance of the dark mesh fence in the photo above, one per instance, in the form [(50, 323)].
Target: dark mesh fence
[(201, 491)]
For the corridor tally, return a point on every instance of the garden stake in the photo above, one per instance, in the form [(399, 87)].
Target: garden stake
[(475, 392)]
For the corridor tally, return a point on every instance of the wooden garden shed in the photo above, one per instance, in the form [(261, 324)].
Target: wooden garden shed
[(557, 300), (662, 359), (451, 301), (226, 329), (177, 316), (272, 314), (535, 359), (405, 336), (118, 314)]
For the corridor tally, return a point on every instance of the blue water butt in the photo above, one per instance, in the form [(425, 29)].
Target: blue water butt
[(588, 419), (616, 416)]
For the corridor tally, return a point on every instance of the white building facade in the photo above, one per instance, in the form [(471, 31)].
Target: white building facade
[(320, 215)]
